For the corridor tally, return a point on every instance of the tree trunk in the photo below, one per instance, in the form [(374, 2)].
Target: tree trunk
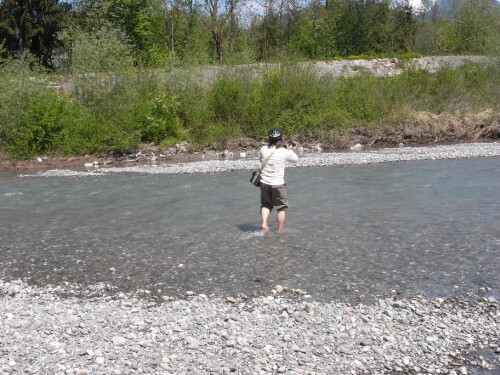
[(169, 27)]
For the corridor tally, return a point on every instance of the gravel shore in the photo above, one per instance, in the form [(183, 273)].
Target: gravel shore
[(308, 158), (43, 333)]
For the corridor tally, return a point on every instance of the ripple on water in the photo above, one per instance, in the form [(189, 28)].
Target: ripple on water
[(354, 232)]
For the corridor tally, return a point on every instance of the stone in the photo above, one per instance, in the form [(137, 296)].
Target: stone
[(192, 342), (118, 340), (345, 351), (99, 360), (164, 366), (357, 146), (358, 364), (308, 307), (389, 313)]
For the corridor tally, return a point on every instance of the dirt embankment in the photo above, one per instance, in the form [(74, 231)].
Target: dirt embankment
[(427, 128)]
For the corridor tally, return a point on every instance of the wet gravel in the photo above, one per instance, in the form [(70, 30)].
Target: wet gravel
[(307, 159)]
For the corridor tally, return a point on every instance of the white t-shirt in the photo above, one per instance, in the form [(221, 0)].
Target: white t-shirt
[(274, 171)]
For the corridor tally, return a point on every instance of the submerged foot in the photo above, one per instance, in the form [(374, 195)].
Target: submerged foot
[(265, 228)]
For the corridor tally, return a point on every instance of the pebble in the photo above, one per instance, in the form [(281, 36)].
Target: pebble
[(308, 307), (374, 156), (192, 342), (118, 340), (357, 146), (129, 335), (99, 360)]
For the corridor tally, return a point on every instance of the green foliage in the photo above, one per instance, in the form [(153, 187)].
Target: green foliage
[(469, 88), (472, 26), (113, 113), (32, 26), (101, 50), (402, 33), (50, 122), (110, 35), (162, 124), (144, 24)]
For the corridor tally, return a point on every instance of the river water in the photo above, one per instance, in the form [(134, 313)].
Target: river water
[(355, 233)]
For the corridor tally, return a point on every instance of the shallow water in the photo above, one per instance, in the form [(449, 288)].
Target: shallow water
[(354, 232)]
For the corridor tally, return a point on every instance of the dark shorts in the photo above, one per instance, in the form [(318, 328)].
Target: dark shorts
[(273, 196)]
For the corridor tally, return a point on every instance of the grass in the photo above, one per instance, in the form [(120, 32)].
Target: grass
[(115, 113)]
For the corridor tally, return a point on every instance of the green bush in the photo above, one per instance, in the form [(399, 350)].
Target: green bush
[(163, 125), (51, 123), (102, 50)]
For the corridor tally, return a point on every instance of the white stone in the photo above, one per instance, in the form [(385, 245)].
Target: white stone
[(357, 146)]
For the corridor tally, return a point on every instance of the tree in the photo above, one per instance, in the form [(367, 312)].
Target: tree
[(404, 28), (32, 26), (265, 30), (144, 24), (215, 26), (472, 29), (104, 49)]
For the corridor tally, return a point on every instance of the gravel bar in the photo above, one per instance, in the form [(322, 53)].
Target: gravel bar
[(45, 331), (371, 156), (42, 332)]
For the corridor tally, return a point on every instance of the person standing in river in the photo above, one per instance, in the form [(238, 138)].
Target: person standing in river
[(273, 192)]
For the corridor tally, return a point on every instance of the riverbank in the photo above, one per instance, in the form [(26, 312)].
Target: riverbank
[(307, 158), (41, 332), (432, 103), (355, 140), (424, 129)]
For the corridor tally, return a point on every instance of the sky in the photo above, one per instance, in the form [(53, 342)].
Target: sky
[(415, 3)]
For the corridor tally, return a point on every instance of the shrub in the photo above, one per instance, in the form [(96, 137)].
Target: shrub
[(162, 125), (103, 50)]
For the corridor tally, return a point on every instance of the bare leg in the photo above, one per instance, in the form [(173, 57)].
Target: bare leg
[(264, 211), (281, 221)]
